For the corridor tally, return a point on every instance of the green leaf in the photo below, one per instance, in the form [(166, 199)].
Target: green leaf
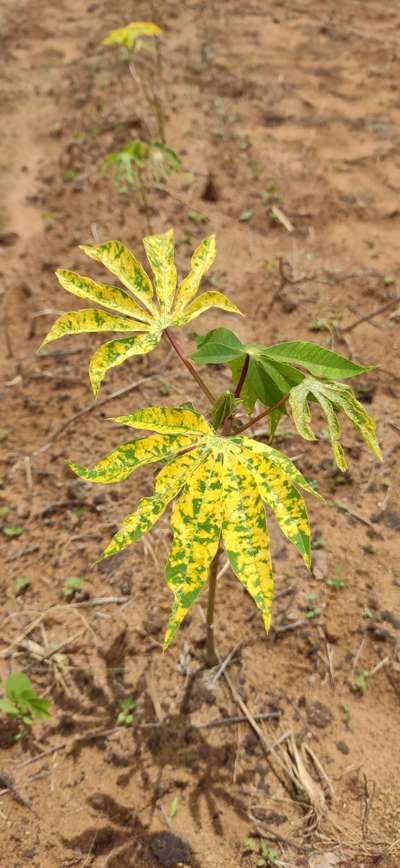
[(21, 585), (218, 347), (315, 359), (332, 397), (14, 530)]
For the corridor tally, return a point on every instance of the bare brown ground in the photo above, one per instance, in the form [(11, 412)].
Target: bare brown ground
[(303, 96)]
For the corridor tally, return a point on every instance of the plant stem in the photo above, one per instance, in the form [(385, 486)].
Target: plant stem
[(183, 357), (243, 376), (145, 203), (262, 415), (212, 658)]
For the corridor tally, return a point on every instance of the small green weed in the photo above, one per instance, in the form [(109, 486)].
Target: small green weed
[(22, 703)]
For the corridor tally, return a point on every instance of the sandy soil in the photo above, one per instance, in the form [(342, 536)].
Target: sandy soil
[(293, 104)]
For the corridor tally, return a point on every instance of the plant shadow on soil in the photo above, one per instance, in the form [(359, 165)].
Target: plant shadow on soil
[(173, 742)]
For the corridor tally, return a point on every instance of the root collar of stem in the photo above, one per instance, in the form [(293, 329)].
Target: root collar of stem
[(212, 659), (184, 359)]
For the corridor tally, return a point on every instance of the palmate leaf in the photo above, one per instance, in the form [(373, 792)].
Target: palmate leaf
[(144, 308), (332, 397), (129, 34), (224, 483), (272, 371)]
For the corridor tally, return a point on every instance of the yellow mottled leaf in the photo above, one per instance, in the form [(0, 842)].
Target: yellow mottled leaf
[(204, 302), (245, 534), (331, 397), (202, 259), (167, 420), (115, 352), (131, 32), (150, 509), (92, 320), (276, 489), (196, 522), (121, 462), (121, 262), (276, 458), (109, 296), (160, 253)]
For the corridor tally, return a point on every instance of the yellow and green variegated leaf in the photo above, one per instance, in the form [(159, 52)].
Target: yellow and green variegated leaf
[(129, 34), (150, 509), (245, 534), (301, 412), (109, 296), (92, 320), (115, 352), (160, 253), (277, 489), (202, 303), (121, 462), (121, 262), (178, 468), (281, 461), (332, 397), (343, 397), (168, 420), (202, 259), (334, 432), (196, 522)]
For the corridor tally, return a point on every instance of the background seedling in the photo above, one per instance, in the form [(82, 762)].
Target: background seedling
[(22, 703), (72, 585), (220, 478), (127, 706), (21, 585)]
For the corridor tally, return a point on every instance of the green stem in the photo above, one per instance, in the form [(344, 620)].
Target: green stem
[(212, 659), (145, 203), (183, 357)]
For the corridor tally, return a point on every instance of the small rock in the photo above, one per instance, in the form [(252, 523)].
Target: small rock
[(325, 860), (319, 715), (392, 519), (8, 239), (332, 631), (169, 849), (391, 619), (343, 747), (320, 564)]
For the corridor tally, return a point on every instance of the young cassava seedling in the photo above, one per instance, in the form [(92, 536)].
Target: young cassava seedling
[(133, 38), (141, 162), (219, 478)]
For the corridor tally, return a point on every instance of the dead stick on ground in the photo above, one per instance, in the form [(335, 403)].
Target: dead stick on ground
[(372, 315)]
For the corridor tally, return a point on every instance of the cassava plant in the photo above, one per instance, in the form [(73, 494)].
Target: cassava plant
[(139, 164), (220, 478), (133, 38)]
